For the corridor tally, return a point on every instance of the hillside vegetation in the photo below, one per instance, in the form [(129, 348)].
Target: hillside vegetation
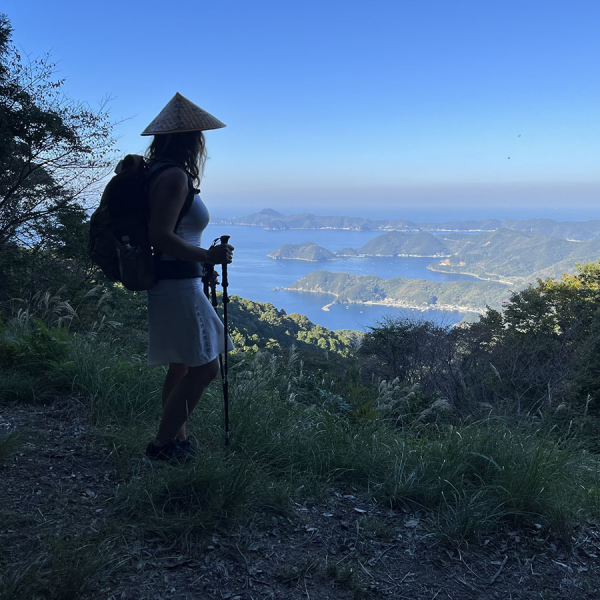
[(511, 255), (401, 291), (404, 244), (306, 251)]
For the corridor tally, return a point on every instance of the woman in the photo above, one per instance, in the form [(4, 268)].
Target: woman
[(184, 330)]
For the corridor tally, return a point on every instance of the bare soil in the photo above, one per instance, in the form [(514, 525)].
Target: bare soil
[(60, 483)]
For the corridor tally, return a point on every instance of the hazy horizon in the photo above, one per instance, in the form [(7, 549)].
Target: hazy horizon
[(414, 215), (481, 108)]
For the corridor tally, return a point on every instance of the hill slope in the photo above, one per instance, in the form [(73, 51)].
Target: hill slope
[(511, 255), (469, 296), (305, 251), (396, 243)]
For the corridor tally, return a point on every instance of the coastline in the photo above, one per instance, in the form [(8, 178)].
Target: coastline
[(385, 229), (314, 260), (504, 281), (395, 303)]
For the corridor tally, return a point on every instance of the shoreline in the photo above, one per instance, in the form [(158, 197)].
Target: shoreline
[(503, 281), (314, 260), (395, 304), (358, 229)]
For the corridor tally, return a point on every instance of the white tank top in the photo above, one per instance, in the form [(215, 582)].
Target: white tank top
[(192, 224)]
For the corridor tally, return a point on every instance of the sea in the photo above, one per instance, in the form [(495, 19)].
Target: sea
[(255, 276)]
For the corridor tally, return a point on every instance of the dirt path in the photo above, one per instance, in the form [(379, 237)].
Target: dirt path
[(56, 502)]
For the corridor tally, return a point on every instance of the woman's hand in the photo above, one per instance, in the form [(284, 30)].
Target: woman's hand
[(219, 255)]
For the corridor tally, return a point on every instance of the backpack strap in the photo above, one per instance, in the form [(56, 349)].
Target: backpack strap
[(155, 169), (189, 199)]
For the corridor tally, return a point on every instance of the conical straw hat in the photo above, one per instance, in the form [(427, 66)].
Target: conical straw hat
[(181, 115)]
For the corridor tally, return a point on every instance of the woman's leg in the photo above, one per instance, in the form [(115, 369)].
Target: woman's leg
[(183, 399), (175, 374)]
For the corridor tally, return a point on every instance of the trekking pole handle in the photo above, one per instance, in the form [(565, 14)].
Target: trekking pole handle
[(225, 240)]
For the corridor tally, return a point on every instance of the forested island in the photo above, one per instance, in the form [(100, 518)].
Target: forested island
[(420, 294), (306, 251)]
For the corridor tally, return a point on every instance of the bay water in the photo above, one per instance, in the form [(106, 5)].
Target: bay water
[(255, 276)]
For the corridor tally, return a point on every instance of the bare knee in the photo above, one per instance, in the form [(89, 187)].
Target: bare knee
[(204, 374)]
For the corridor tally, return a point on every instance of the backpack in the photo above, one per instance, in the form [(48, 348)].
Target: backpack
[(119, 241)]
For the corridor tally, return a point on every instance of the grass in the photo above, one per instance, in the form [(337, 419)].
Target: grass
[(65, 570), (288, 441), (192, 497), (9, 444)]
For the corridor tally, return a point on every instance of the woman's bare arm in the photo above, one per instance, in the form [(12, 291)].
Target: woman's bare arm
[(167, 200)]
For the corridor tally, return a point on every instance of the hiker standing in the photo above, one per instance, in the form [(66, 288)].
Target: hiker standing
[(184, 330)]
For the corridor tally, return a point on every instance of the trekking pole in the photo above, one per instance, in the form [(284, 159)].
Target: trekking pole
[(225, 370)]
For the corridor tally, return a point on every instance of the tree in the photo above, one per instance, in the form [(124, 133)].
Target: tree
[(52, 150), (53, 153)]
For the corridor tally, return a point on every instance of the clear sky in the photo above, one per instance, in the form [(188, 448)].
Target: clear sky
[(346, 107)]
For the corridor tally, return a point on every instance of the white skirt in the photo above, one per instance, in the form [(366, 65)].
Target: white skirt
[(182, 324)]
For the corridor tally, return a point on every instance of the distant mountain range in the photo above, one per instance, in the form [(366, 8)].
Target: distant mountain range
[(272, 219), (421, 294)]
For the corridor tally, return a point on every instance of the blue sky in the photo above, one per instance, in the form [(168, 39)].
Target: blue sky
[(401, 108)]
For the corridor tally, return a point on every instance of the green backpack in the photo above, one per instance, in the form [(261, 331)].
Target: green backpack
[(119, 241)]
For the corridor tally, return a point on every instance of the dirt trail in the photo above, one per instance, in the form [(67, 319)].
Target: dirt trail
[(61, 483)]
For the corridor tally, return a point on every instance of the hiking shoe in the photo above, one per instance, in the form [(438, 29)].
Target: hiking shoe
[(187, 446), (170, 452)]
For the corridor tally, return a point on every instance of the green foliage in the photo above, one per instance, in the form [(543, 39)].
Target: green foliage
[(65, 570), (186, 499), (298, 431), (259, 325), (305, 251), (396, 243), (53, 151), (401, 348), (403, 291), (517, 256), (540, 355)]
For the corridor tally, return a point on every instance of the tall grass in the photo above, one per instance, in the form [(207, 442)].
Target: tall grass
[(65, 570), (291, 438)]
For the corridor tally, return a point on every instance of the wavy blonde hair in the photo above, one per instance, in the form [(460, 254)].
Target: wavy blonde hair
[(187, 149)]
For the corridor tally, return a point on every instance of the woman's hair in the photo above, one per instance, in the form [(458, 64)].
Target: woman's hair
[(187, 149)]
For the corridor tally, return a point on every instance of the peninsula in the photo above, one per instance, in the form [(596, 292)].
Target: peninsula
[(403, 292)]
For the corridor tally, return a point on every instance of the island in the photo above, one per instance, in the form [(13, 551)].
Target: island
[(306, 251), (403, 292)]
